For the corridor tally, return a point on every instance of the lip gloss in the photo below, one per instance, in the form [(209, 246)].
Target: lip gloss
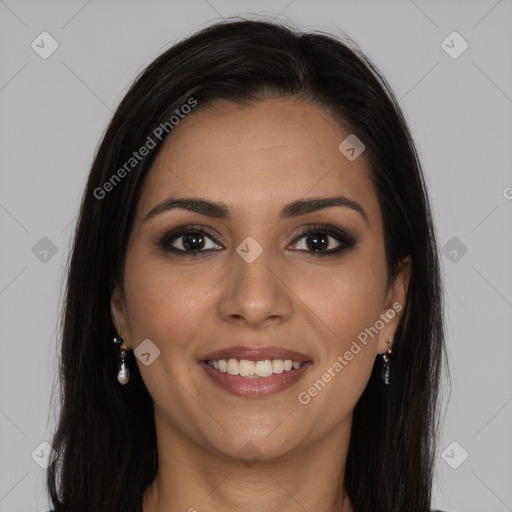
[(258, 386)]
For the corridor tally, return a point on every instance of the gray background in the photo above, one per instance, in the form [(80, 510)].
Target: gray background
[(54, 110)]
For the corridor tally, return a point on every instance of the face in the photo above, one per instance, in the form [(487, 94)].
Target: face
[(251, 277)]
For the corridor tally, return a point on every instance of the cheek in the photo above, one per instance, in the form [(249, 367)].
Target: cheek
[(165, 307), (160, 298), (347, 303), (171, 306), (348, 299)]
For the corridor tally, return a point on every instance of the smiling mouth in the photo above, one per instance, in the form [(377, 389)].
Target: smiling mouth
[(254, 369), (240, 378)]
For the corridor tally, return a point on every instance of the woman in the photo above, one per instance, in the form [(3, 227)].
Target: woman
[(253, 318)]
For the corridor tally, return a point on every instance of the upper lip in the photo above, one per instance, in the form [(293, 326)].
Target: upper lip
[(255, 353)]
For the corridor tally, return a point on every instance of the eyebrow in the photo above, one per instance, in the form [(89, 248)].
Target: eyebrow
[(219, 210)]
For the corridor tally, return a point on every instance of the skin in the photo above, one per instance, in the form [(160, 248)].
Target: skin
[(256, 159)]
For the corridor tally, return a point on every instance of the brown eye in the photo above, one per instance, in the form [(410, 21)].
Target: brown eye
[(319, 238), (188, 241)]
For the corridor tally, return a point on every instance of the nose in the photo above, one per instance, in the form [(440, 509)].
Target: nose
[(256, 293)]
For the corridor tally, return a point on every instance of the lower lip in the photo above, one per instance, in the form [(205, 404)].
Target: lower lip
[(259, 386)]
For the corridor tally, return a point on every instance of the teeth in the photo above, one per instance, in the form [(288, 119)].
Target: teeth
[(277, 366), (233, 367), (246, 368), (263, 368)]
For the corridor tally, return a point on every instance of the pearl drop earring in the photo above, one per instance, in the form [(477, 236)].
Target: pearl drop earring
[(123, 376)]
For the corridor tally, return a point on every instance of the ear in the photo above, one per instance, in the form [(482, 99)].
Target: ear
[(118, 314), (394, 304)]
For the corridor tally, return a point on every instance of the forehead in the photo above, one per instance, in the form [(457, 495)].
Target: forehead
[(257, 156)]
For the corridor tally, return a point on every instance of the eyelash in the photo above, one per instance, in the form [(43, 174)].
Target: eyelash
[(346, 240)]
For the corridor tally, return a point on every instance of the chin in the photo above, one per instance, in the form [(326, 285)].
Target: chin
[(256, 446)]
